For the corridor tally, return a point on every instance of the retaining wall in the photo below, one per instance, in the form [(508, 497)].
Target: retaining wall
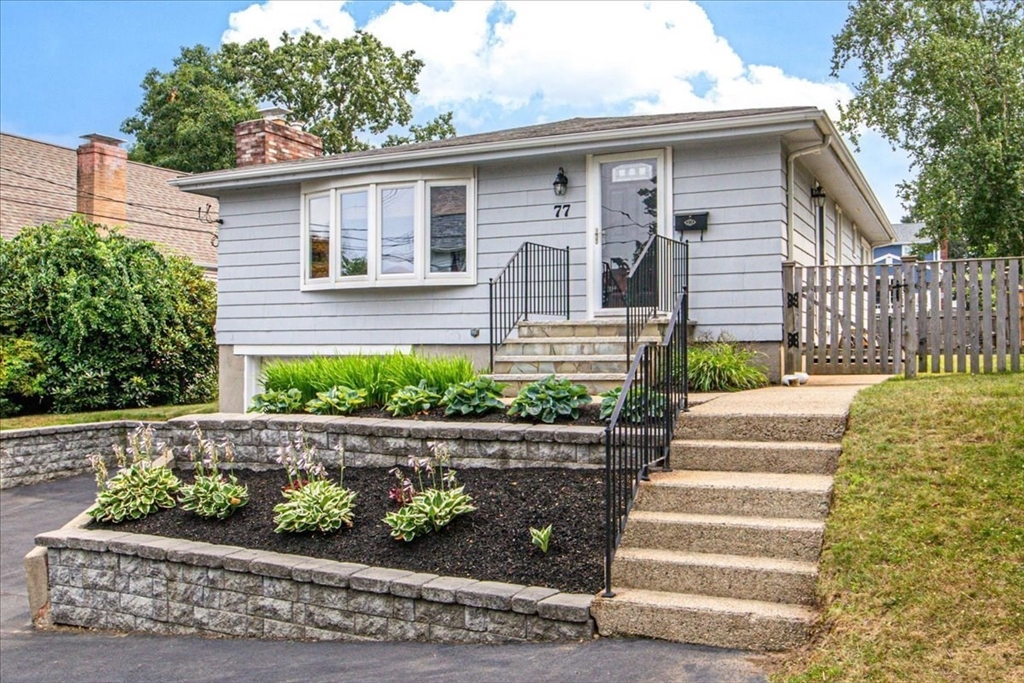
[(28, 456)]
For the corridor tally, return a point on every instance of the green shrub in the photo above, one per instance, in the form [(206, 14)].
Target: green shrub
[(549, 399), (213, 494), (139, 488), (638, 407), (273, 401), (475, 397), (723, 365), (541, 537), (22, 374), (313, 502), (336, 401), (412, 400), (428, 508), (118, 324)]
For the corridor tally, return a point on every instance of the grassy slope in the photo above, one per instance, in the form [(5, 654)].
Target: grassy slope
[(923, 572), (157, 414)]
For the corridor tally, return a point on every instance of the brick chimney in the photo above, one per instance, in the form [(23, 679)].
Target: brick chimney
[(271, 139), (102, 180)]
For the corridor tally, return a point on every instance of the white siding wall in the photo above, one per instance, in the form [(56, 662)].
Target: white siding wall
[(805, 226), (736, 271)]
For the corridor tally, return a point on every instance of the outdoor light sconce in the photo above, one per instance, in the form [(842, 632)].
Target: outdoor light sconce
[(561, 183), (818, 195)]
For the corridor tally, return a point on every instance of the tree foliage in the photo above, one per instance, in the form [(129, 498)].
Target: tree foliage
[(116, 323), (338, 90), (944, 80)]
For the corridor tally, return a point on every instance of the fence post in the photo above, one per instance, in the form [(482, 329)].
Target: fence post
[(790, 318), (910, 341)]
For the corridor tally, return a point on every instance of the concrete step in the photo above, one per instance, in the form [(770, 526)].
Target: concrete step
[(756, 456), (785, 539), (560, 364), (605, 327), (595, 382), (725, 576), (755, 494), (764, 427), (703, 620)]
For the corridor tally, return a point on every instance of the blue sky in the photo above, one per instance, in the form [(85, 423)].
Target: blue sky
[(71, 68)]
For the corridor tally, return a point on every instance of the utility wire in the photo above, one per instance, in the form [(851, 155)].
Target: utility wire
[(112, 218)]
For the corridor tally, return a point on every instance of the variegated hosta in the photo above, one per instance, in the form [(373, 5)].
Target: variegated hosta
[(320, 505)]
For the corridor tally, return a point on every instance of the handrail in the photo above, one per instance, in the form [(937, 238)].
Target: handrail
[(659, 274), (639, 433), (535, 280)]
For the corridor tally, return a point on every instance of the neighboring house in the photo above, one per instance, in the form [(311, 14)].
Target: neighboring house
[(42, 183), (903, 245), (392, 248)]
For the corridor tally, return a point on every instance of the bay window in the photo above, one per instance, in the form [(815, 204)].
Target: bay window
[(397, 232)]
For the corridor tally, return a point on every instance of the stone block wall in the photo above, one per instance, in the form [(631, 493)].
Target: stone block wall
[(28, 456), (108, 579)]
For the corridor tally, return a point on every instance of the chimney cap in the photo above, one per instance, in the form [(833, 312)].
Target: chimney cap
[(272, 113), (103, 139)]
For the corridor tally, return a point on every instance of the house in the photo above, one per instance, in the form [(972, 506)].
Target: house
[(393, 248), (41, 183), (903, 245)]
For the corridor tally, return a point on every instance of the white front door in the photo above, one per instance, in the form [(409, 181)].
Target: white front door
[(628, 203)]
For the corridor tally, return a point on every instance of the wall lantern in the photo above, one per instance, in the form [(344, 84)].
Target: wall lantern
[(561, 182), (818, 195)]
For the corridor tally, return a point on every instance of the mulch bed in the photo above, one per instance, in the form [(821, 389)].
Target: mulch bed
[(492, 543), (590, 416)]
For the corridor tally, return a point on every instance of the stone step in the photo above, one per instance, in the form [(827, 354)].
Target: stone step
[(609, 327), (725, 576), (560, 364), (595, 382), (565, 346), (703, 620), (816, 428), (755, 494), (786, 539), (756, 456)]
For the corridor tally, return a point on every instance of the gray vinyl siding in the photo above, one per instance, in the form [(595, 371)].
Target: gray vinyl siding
[(736, 270), (804, 222)]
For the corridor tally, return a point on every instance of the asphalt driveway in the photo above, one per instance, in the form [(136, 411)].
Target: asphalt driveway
[(82, 655)]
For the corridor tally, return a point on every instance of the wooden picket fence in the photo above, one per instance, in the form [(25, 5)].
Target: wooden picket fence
[(918, 316)]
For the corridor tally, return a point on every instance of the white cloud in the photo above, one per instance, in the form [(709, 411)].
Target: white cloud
[(270, 19)]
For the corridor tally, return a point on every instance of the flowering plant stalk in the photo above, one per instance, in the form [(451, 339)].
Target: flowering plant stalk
[(213, 494)]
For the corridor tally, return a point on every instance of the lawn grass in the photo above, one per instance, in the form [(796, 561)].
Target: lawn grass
[(158, 414), (922, 576)]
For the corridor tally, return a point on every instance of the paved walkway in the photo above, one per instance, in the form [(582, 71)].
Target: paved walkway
[(823, 395)]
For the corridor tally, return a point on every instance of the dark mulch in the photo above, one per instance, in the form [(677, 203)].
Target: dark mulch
[(492, 543), (590, 416)]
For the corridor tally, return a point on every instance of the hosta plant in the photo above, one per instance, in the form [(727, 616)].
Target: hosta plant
[(313, 502), (411, 400), (541, 537), (339, 400), (475, 397), (214, 494), (638, 406), (549, 399), (431, 507), (274, 401), (139, 488)]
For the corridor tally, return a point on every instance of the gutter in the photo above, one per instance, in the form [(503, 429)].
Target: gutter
[(790, 182)]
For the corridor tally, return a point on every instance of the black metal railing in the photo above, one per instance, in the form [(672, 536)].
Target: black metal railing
[(639, 435), (534, 281), (658, 276)]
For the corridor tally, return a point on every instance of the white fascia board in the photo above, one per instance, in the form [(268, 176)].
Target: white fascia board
[(286, 350), (593, 141)]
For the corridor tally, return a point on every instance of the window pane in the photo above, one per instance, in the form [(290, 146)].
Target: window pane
[(352, 219), (396, 230), (448, 229), (318, 215)]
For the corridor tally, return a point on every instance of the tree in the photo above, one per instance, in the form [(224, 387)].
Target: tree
[(944, 80), (338, 90)]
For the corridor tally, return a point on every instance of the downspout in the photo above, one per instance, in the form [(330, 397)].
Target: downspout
[(790, 182)]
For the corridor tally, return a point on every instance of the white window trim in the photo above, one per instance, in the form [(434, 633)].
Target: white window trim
[(373, 184)]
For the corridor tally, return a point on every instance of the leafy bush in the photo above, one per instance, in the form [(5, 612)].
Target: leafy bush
[(475, 397), (723, 365), (549, 399), (313, 502), (638, 406), (412, 400), (117, 323), (380, 376), (336, 401), (272, 401), (22, 374), (140, 488), (430, 508), (213, 494)]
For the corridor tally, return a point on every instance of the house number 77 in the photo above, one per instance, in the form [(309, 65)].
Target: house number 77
[(562, 210)]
